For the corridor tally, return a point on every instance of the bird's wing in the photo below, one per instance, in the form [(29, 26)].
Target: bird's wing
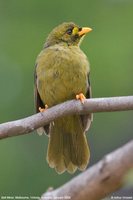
[(39, 103), (87, 119)]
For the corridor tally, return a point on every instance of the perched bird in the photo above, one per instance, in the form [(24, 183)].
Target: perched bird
[(62, 73)]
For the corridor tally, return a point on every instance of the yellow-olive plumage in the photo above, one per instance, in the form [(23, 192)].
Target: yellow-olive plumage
[(62, 72)]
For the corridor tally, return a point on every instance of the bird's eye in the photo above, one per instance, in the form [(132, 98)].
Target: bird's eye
[(69, 31)]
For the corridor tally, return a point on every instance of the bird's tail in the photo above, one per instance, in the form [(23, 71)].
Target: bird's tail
[(68, 148)]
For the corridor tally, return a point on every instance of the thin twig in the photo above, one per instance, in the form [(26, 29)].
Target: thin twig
[(28, 124)]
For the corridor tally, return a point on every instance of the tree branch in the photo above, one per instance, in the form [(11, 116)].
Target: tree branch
[(99, 180), (28, 124)]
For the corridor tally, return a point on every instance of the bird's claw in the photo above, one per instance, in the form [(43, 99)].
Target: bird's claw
[(43, 109), (81, 97)]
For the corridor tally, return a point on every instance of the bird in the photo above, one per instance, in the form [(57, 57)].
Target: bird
[(62, 72)]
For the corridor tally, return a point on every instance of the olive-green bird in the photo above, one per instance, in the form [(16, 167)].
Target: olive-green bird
[(62, 73)]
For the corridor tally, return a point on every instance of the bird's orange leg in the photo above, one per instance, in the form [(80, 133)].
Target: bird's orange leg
[(81, 97), (43, 109)]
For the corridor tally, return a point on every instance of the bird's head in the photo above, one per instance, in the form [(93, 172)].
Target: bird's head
[(67, 33)]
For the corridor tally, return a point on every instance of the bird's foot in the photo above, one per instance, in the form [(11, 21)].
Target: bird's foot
[(81, 97), (43, 109)]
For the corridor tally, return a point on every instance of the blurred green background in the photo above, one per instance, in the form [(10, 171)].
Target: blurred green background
[(24, 26)]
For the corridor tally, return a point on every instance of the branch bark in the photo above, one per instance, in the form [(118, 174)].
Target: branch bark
[(99, 180), (29, 124)]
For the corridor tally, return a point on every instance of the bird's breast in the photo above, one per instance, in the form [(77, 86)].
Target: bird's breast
[(61, 74)]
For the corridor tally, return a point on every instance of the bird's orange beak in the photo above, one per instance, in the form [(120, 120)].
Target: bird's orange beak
[(84, 30)]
